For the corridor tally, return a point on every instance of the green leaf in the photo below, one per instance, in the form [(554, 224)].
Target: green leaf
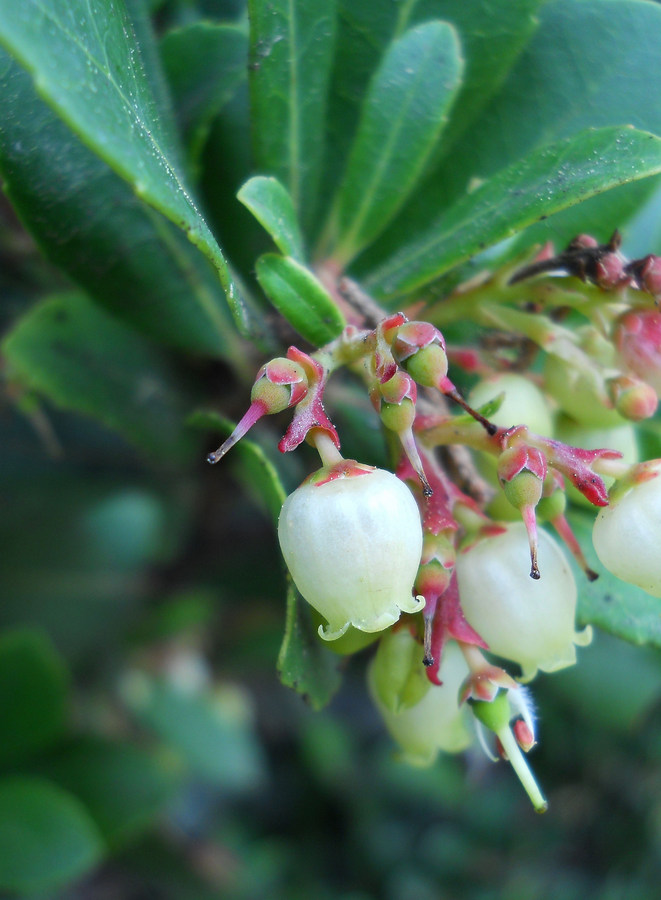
[(47, 839), (404, 113), (93, 769), (205, 63), (301, 299), (256, 472), (89, 222), (548, 180), (619, 608), (291, 50), (272, 206), (33, 695), (560, 84), (76, 548), (86, 63), (591, 64), (80, 358), (304, 664), (491, 36), (211, 731)]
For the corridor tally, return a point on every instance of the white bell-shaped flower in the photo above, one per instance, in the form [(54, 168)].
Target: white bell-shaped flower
[(626, 533), (529, 622), (352, 538), (523, 401), (436, 722)]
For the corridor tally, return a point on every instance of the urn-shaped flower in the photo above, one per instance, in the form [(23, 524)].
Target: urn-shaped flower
[(352, 538)]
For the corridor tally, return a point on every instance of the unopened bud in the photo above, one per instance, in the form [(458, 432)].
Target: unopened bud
[(638, 340), (280, 383), (420, 349), (634, 399), (436, 722), (610, 272)]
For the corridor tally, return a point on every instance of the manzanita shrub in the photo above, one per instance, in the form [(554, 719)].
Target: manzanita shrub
[(413, 233)]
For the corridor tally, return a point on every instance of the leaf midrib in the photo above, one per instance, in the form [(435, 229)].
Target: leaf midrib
[(368, 195), (105, 72)]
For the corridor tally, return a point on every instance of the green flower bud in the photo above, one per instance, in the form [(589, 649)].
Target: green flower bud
[(436, 722), (398, 678)]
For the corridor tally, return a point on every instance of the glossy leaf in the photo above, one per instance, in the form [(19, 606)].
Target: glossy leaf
[(404, 113), (80, 358), (33, 695), (547, 181), (90, 223), (301, 299), (559, 86), (271, 205), (621, 609), (304, 664), (87, 64), (291, 49), (205, 63), (46, 836), (491, 36), (92, 769)]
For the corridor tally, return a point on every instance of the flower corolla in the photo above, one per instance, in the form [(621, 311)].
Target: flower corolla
[(351, 537)]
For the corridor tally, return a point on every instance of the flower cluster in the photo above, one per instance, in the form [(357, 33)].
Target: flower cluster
[(430, 559)]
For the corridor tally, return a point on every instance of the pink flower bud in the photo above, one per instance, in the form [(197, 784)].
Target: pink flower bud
[(280, 383), (647, 273), (351, 537), (610, 273), (638, 340)]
